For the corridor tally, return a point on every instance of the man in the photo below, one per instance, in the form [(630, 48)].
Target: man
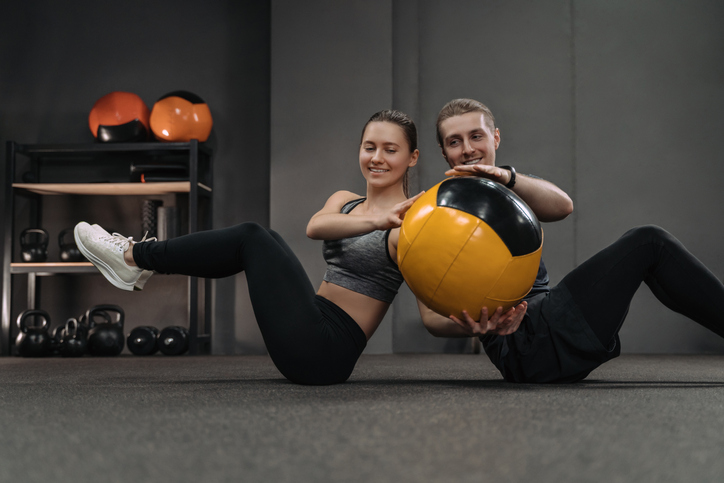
[(560, 334), (467, 135)]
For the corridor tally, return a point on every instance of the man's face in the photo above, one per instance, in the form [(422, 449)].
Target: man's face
[(467, 139)]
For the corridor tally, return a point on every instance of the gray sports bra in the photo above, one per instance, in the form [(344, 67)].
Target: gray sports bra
[(362, 263)]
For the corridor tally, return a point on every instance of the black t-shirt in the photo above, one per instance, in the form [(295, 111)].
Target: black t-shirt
[(541, 282)]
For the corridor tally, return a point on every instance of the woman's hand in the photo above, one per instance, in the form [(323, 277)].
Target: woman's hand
[(394, 217), (498, 323), (493, 173)]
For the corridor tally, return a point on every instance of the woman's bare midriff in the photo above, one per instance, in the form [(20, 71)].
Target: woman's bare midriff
[(366, 311)]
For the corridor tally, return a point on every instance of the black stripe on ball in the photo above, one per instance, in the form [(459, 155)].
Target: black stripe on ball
[(186, 95), (500, 208)]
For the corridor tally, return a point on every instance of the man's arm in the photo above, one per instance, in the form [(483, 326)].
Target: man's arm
[(438, 325), (548, 201), (497, 323)]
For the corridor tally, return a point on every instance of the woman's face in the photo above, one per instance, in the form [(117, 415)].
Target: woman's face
[(384, 154)]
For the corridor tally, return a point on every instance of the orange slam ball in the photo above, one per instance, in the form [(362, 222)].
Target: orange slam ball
[(467, 243), (181, 116), (118, 117)]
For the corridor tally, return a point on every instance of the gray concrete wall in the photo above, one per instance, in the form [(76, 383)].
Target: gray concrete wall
[(331, 70), (619, 103), (649, 103)]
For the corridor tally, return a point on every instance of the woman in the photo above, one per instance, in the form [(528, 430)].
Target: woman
[(561, 334), (312, 338)]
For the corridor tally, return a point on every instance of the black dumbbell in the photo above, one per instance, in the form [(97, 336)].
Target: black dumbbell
[(142, 340), (173, 340)]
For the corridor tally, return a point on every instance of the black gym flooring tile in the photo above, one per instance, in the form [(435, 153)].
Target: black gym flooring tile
[(401, 418)]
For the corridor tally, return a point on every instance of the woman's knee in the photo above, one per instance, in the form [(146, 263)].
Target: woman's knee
[(248, 228), (244, 232), (649, 234)]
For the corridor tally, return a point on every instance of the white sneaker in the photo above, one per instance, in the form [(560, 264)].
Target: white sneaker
[(146, 274), (106, 253)]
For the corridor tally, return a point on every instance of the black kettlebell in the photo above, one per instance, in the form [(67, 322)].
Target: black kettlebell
[(105, 338), (33, 341), (75, 342), (56, 338), (142, 341), (68, 249), (173, 340), (34, 251), (83, 320)]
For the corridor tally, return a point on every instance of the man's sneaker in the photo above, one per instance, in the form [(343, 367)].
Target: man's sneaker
[(106, 253), (146, 274)]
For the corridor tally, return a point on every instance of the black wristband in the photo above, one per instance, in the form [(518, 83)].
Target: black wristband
[(511, 183)]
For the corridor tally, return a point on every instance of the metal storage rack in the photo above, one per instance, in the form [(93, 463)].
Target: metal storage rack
[(198, 187)]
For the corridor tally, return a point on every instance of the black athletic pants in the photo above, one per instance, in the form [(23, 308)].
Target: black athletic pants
[(603, 286), (310, 339), (573, 329)]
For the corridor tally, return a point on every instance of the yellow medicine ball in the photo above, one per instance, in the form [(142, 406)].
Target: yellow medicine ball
[(467, 243)]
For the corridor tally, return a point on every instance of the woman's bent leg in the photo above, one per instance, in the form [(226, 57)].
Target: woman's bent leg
[(295, 332), (207, 254), (604, 285)]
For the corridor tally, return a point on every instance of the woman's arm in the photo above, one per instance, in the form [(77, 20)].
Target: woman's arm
[(498, 323), (329, 224)]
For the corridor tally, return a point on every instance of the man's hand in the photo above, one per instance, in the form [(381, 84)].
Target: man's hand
[(498, 323), (493, 173)]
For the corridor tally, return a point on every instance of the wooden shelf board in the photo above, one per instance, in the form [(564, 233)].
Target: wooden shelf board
[(109, 188), (51, 264), (52, 267)]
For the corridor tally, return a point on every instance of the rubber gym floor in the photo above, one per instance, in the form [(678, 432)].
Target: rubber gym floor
[(400, 418)]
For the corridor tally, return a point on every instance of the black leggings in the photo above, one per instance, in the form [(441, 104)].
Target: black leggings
[(310, 339), (603, 286)]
